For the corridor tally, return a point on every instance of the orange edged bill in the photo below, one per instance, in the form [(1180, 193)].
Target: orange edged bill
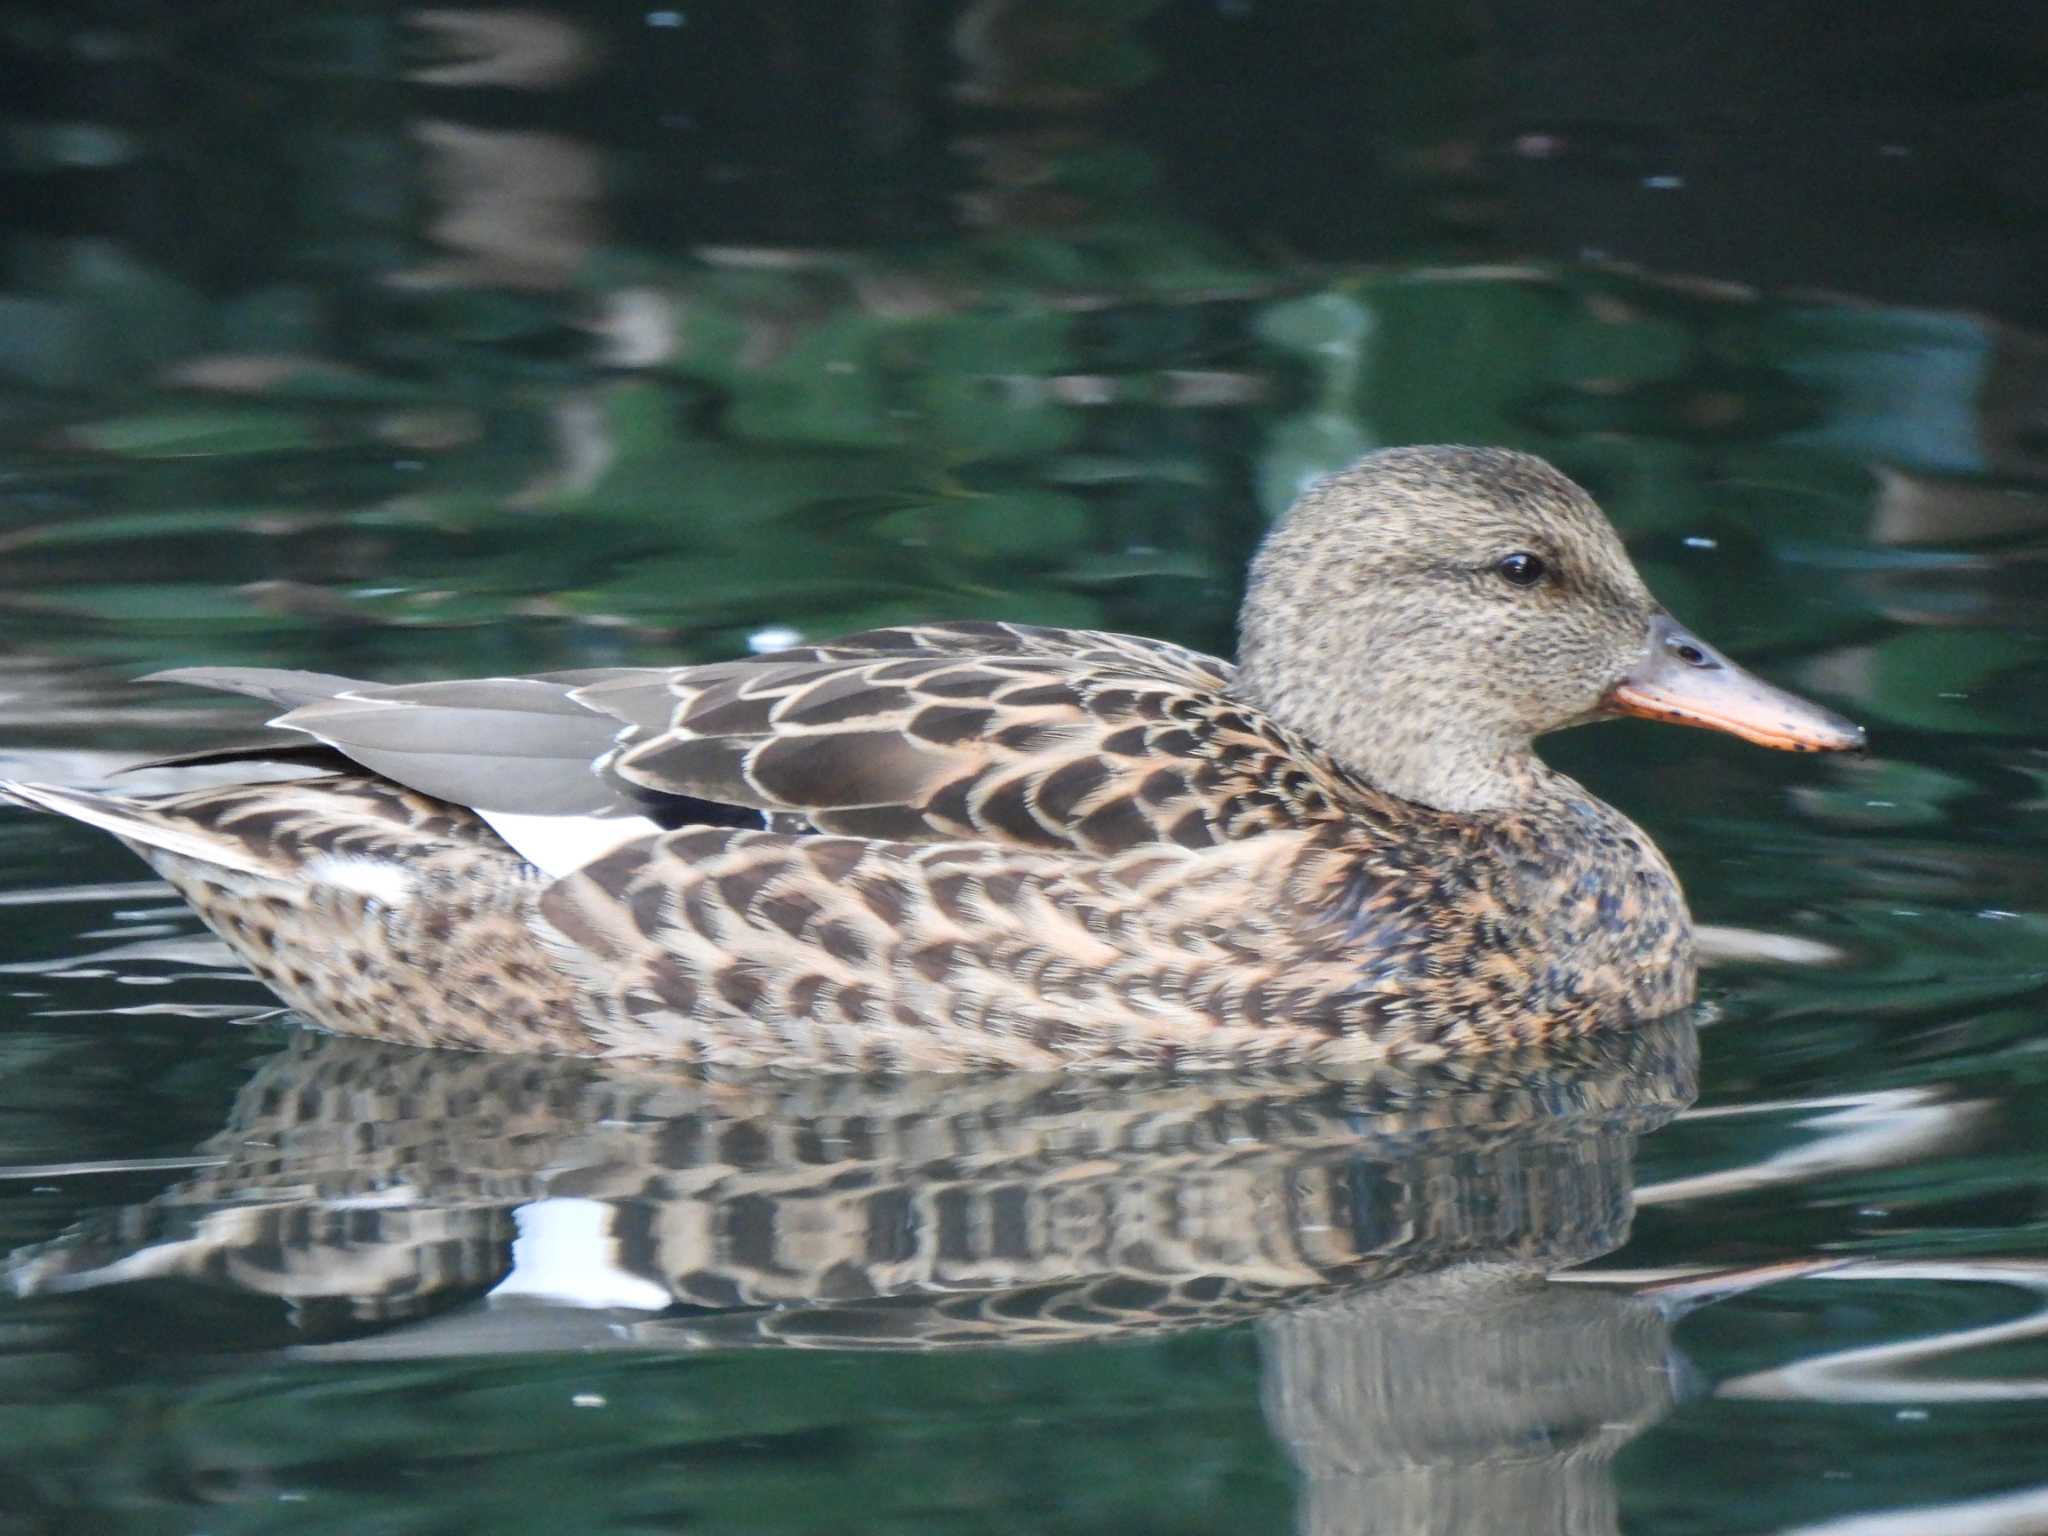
[(1683, 680)]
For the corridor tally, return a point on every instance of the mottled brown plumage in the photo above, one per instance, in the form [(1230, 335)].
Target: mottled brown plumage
[(994, 845)]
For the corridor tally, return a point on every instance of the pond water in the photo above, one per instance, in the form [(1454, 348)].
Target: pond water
[(415, 342)]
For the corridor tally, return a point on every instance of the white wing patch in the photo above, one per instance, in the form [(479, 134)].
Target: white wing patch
[(561, 845)]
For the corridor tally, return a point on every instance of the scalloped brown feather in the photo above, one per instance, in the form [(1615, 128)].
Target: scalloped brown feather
[(1000, 734), (1415, 936)]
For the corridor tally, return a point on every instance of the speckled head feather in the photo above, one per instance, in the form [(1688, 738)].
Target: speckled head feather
[(1378, 621)]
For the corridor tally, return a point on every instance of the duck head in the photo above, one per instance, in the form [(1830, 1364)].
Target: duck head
[(1427, 613)]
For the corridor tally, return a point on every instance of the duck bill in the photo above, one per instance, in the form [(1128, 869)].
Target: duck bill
[(1683, 680)]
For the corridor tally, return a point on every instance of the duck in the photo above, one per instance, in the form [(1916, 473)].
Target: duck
[(982, 845)]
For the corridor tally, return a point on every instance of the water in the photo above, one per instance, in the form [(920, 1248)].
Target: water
[(417, 343)]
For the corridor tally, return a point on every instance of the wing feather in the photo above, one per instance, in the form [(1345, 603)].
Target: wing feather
[(519, 745), (1008, 734)]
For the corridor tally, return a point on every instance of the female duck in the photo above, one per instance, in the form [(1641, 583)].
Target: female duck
[(980, 845)]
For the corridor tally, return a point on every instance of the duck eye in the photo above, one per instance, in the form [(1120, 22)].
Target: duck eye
[(1522, 569)]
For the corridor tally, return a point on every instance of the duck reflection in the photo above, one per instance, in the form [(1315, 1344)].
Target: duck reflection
[(1386, 1236), (1464, 1404)]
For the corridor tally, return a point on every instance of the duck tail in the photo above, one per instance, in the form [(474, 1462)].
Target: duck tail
[(139, 824)]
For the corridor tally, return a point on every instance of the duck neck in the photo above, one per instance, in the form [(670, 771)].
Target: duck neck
[(1466, 777), (1432, 752)]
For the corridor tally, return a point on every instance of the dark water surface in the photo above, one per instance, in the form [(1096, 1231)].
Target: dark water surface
[(408, 342)]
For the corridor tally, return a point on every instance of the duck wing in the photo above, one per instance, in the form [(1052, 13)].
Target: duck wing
[(516, 750), (1005, 734), (992, 733), (513, 743)]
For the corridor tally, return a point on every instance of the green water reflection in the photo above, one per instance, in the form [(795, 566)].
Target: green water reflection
[(407, 342)]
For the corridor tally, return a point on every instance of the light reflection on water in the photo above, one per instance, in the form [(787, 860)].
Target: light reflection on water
[(461, 341)]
